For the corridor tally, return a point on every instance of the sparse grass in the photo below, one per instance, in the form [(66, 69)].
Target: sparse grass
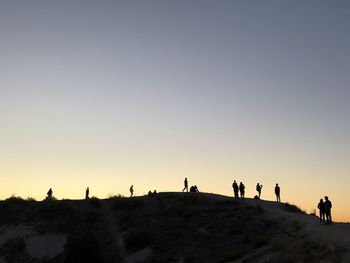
[(126, 203), (94, 202), (115, 196), (293, 208)]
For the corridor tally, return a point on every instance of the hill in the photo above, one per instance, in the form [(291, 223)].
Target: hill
[(166, 227)]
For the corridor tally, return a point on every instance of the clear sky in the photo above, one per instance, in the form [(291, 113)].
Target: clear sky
[(112, 93)]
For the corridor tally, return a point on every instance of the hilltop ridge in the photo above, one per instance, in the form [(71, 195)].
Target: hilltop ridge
[(166, 227)]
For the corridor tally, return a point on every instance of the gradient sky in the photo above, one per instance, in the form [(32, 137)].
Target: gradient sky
[(112, 93)]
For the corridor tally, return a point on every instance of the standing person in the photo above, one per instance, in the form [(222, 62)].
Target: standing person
[(327, 210), (131, 190), (278, 193), (241, 189), (258, 188), (87, 192), (320, 207), (186, 185), (49, 193), (235, 188)]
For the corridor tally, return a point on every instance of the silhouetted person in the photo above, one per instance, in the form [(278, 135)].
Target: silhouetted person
[(131, 190), (327, 210), (194, 189), (241, 189), (87, 192), (320, 207), (49, 193), (258, 188), (235, 188), (278, 193), (186, 185)]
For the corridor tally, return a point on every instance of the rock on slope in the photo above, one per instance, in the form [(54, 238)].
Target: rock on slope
[(166, 227)]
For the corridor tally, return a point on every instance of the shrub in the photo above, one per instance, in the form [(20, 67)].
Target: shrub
[(82, 248)]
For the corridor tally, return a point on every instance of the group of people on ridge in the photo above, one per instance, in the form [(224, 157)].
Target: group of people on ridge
[(241, 189), (193, 188)]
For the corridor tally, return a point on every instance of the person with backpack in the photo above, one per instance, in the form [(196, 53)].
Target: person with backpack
[(186, 185), (49, 194), (258, 188)]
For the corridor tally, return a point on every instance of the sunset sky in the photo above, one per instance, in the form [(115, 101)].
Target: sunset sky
[(107, 94)]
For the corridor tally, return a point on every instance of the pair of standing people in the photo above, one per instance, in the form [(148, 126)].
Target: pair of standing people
[(325, 210), (238, 188)]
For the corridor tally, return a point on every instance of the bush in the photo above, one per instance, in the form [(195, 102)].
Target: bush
[(135, 241), (82, 248), (292, 208)]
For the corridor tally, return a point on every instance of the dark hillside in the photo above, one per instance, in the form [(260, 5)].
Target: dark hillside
[(166, 227)]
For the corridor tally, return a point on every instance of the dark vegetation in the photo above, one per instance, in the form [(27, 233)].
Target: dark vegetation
[(173, 227), (200, 228)]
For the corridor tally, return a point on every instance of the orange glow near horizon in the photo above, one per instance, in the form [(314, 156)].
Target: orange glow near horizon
[(109, 94), (70, 183)]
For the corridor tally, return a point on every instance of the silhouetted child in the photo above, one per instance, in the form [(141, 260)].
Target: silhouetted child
[(320, 207), (327, 210), (186, 185), (235, 188), (49, 193), (131, 190), (258, 188), (87, 192), (241, 189), (278, 193)]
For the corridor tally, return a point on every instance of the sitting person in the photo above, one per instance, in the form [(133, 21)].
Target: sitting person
[(194, 189)]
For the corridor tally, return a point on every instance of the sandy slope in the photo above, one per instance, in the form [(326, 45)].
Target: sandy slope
[(337, 233)]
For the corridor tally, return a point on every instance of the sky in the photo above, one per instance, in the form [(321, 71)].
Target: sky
[(107, 94)]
